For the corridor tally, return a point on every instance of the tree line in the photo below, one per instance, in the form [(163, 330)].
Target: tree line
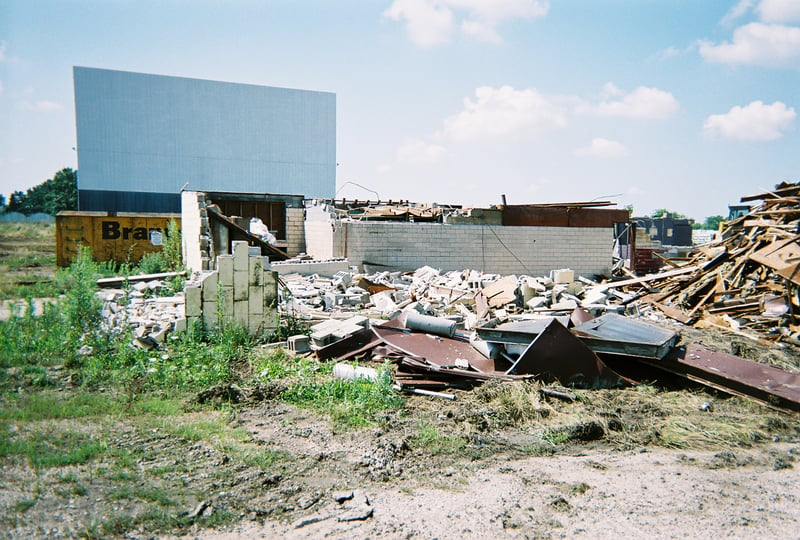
[(50, 197)]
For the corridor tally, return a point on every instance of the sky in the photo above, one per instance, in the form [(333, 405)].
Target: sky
[(685, 105)]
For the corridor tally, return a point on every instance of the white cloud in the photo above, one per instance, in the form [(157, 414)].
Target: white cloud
[(786, 11), (641, 103), (427, 23), (418, 151), (759, 44), (604, 148), (431, 22), (737, 11), (753, 122), (611, 90), (499, 112), (42, 106)]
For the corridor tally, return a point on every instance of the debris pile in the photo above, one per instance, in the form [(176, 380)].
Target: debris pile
[(138, 308), (747, 281), (451, 329)]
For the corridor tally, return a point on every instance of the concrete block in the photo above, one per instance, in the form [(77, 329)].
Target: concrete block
[(193, 300), (181, 324), (226, 299), (210, 315), (255, 270), (225, 269), (241, 312), (241, 285), (255, 298), (240, 255), (209, 284), (253, 251), (298, 344)]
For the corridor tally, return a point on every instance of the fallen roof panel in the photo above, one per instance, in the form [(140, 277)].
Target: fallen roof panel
[(623, 335)]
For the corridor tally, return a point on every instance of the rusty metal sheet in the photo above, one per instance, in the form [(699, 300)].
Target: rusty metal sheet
[(354, 344), (556, 354), (438, 350), (562, 216), (616, 334), (732, 374)]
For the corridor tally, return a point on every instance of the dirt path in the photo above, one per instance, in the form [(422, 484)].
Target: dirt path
[(368, 485), (599, 494)]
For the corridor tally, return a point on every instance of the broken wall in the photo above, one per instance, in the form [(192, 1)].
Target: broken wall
[(295, 231), (243, 290), (502, 250)]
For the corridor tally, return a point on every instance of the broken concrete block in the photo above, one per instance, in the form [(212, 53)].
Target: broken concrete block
[(256, 300), (564, 275), (139, 286), (536, 302), (564, 305)]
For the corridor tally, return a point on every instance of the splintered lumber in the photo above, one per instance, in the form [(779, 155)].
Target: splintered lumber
[(758, 253)]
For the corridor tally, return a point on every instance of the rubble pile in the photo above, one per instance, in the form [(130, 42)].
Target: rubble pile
[(150, 317), (747, 281)]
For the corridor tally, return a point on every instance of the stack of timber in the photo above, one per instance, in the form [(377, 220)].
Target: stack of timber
[(747, 281)]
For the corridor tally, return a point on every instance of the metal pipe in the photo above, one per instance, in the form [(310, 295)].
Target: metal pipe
[(432, 325)]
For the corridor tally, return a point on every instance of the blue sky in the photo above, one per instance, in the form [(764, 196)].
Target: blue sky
[(685, 105)]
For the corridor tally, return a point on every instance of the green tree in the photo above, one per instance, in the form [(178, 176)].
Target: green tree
[(712, 222), (662, 212), (2, 204), (16, 201), (51, 196)]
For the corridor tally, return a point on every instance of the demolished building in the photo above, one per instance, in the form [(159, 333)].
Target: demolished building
[(525, 239)]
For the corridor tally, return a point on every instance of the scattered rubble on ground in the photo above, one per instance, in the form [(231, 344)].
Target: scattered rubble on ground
[(460, 328)]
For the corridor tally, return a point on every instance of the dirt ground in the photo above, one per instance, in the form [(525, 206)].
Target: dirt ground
[(585, 490), (505, 483)]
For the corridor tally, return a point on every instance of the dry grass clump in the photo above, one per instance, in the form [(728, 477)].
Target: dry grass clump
[(516, 403)]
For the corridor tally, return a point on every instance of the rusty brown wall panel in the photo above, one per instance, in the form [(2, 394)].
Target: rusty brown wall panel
[(561, 216)]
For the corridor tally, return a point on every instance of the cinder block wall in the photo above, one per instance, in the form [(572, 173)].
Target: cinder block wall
[(295, 231), (496, 249), (243, 289)]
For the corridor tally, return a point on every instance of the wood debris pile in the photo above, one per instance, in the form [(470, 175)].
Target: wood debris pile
[(747, 281)]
